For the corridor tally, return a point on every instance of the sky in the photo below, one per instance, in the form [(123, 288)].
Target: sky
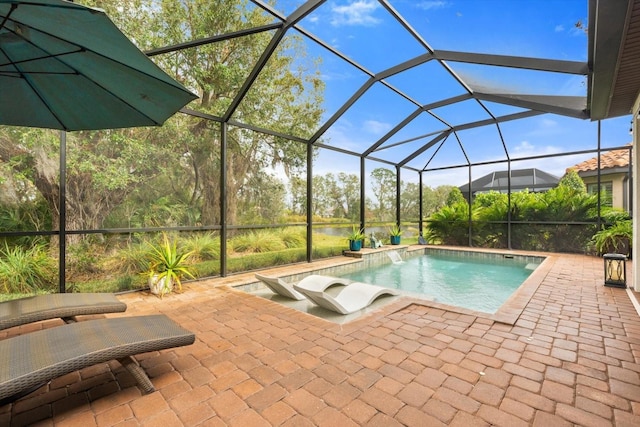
[(366, 32)]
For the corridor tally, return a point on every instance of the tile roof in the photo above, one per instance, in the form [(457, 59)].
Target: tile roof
[(608, 160)]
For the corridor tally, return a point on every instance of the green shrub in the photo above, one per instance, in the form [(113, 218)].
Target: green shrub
[(132, 259), (27, 270), (612, 216), (293, 237), (83, 259), (256, 242), (449, 225), (253, 261), (327, 251), (203, 247)]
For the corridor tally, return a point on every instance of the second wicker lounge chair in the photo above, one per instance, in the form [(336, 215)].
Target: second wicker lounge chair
[(32, 360), (52, 306)]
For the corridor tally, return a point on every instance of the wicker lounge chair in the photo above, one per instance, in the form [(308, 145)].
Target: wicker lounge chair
[(51, 306), (330, 293), (32, 360)]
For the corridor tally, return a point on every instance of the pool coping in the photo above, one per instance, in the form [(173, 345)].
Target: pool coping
[(508, 313)]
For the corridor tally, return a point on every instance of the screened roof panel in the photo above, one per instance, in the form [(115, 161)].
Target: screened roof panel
[(369, 118), (447, 152), (219, 70), (375, 64), (286, 7), (268, 104), (427, 83), (401, 150), (341, 80), (424, 127), (493, 79), (462, 112), (537, 29), (363, 31), (482, 144), (500, 110), (209, 26)]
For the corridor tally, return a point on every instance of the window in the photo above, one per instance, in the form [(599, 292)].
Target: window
[(606, 192)]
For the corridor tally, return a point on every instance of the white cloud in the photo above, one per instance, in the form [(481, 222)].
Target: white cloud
[(432, 4), (559, 28), (526, 149), (359, 12), (375, 127)]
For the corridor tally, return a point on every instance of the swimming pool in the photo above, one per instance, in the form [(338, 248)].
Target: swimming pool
[(481, 284)]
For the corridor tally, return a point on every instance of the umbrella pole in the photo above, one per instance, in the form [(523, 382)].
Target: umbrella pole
[(62, 206)]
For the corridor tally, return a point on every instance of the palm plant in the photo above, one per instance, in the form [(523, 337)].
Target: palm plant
[(450, 225)]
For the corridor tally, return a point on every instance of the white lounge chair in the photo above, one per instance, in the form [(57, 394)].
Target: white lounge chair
[(334, 294), (285, 289), (280, 287)]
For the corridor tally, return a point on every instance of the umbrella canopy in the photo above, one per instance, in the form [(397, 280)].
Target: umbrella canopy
[(66, 66)]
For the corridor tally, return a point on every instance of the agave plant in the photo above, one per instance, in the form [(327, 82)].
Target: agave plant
[(395, 230), (167, 265), (356, 234)]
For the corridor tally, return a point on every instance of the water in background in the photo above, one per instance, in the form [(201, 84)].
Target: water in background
[(477, 284)]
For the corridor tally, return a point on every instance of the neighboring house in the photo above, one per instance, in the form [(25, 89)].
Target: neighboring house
[(532, 179), (615, 174)]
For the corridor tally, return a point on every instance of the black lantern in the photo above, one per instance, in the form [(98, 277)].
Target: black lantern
[(615, 270)]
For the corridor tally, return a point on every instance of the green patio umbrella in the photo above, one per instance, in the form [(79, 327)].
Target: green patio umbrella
[(67, 66)]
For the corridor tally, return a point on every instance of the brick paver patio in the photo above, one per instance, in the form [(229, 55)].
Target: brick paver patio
[(571, 358)]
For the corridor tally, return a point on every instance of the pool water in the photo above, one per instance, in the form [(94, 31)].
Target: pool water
[(477, 284)]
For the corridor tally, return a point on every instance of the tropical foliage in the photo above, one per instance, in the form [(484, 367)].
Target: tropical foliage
[(562, 219), (616, 234)]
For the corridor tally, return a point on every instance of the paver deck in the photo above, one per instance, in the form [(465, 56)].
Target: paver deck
[(571, 358)]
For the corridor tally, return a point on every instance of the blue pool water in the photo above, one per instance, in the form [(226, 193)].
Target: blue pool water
[(477, 284)]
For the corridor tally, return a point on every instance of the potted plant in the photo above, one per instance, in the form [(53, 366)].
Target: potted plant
[(355, 238), (167, 265), (395, 232), (616, 238)]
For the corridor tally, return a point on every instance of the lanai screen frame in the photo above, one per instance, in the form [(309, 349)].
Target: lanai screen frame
[(569, 106)]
